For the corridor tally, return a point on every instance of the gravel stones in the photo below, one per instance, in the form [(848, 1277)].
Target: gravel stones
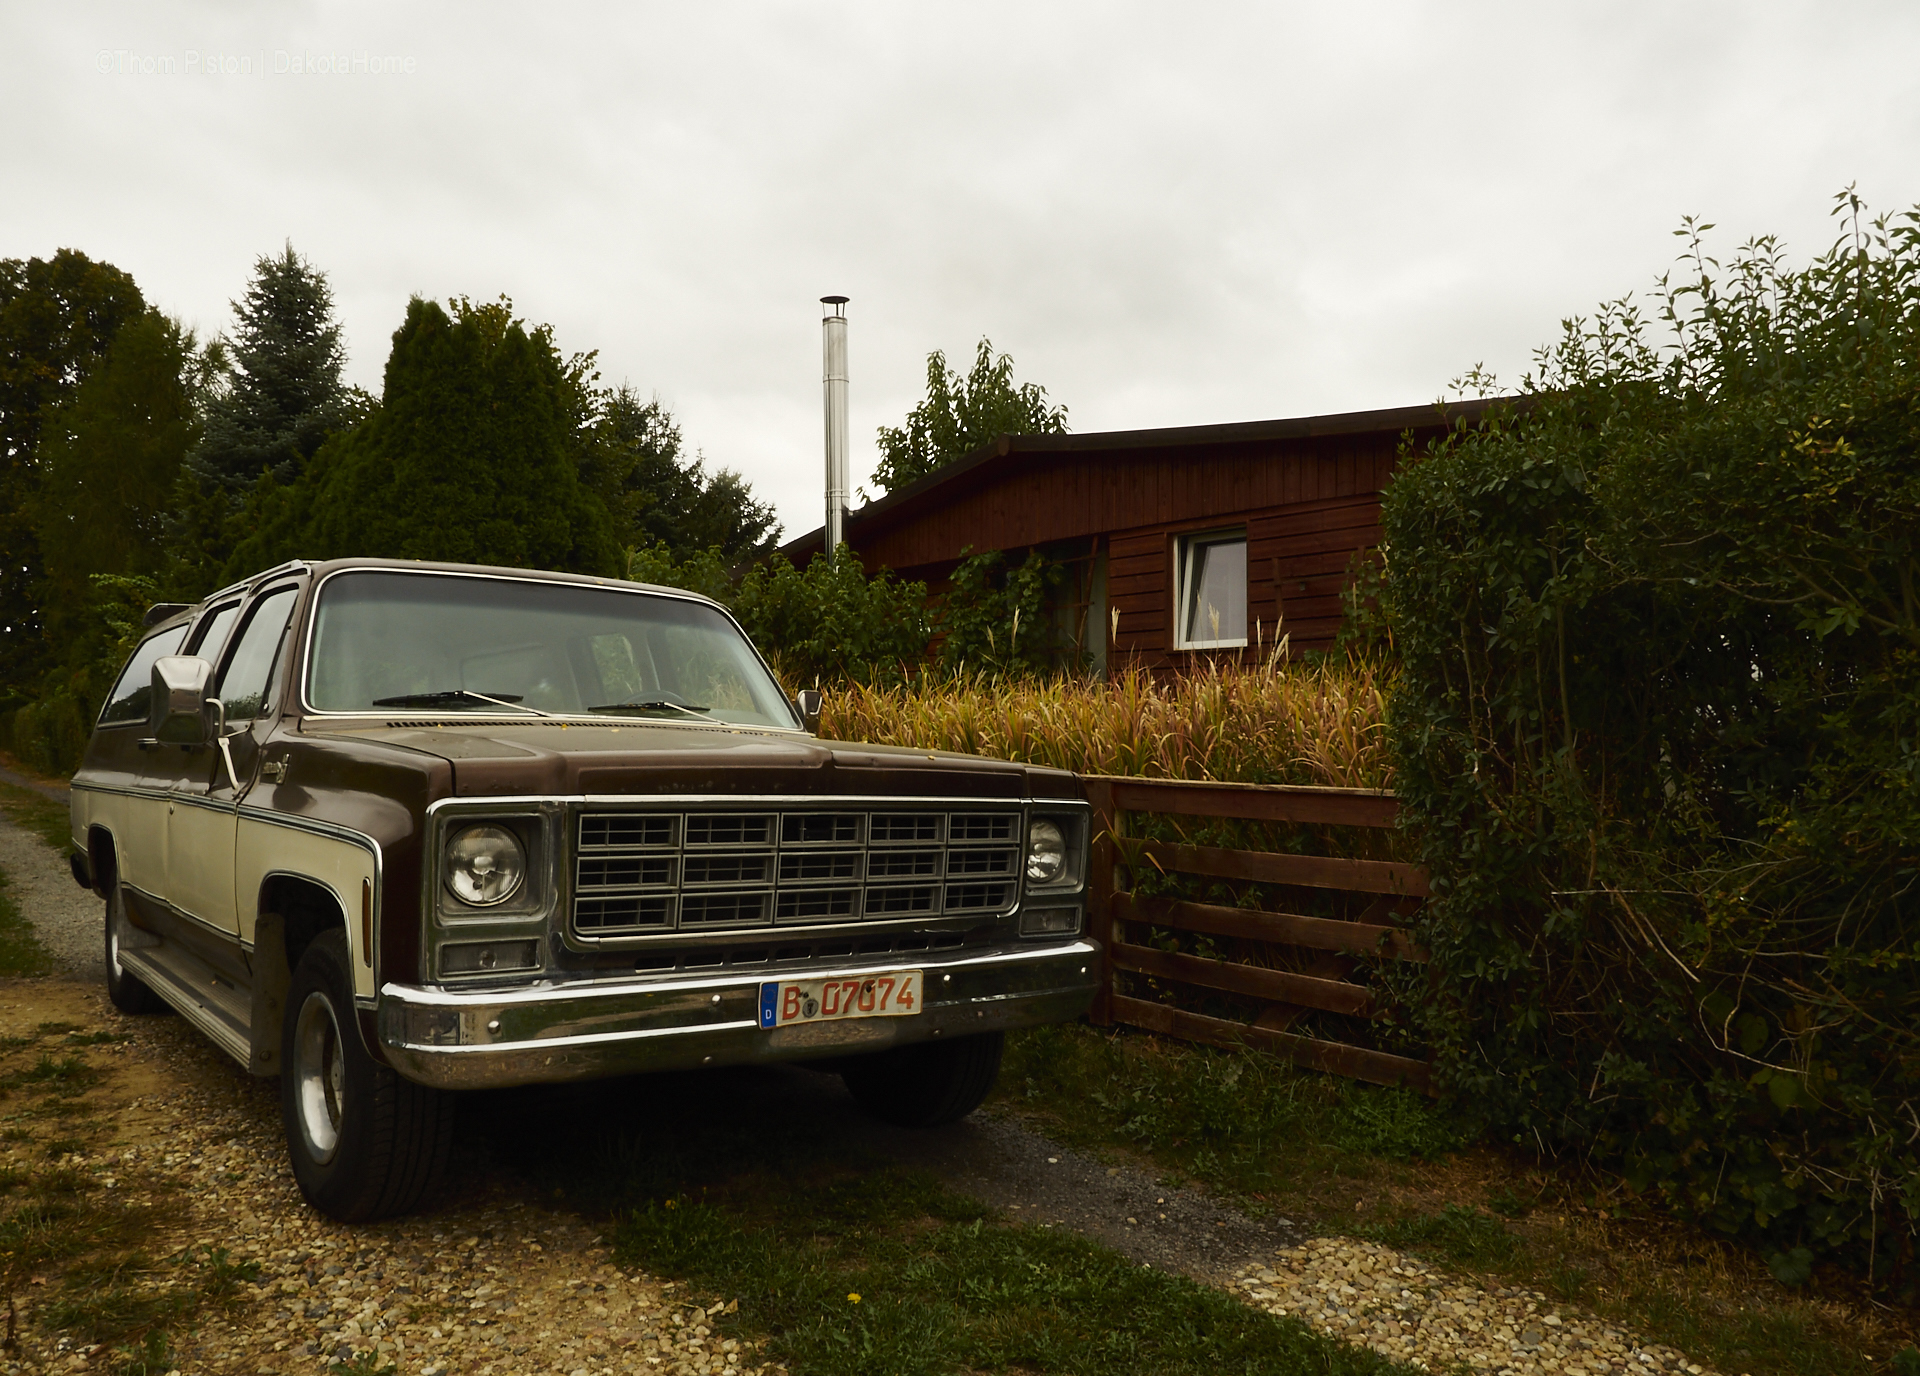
[(67, 918), (492, 1284), (1398, 1306)]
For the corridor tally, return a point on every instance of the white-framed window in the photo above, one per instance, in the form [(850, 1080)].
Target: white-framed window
[(1211, 590)]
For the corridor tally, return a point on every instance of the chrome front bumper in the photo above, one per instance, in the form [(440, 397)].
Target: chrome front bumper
[(493, 1038)]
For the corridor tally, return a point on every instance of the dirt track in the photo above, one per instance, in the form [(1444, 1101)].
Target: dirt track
[(496, 1278)]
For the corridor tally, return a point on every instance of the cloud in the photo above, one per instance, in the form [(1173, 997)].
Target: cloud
[(1168, 215)]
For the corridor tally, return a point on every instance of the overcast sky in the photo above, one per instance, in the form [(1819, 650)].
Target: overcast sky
[(1168, 214)]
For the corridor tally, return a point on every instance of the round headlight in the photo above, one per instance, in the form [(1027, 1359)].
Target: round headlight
[(1046, 852), (484, 865)]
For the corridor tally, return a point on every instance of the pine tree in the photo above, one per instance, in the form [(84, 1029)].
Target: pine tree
[(959, 414), (660, 498), (471, 456), (286, 393)]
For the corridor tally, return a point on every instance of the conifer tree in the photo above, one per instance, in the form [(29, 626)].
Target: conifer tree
[(285, 394), (661, 498), (470, 456)]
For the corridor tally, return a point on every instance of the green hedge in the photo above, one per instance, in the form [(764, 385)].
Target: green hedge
[(49, 730), (1658, 735)]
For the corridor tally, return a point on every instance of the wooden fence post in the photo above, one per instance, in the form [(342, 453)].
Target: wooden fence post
[(1100, 886)]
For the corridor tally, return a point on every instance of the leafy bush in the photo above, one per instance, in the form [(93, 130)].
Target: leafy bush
[(831, 621), (50, 730), (994, 618), (705, 572), (1658, 733)]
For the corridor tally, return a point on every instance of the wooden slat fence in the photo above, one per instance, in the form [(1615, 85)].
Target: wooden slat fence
[(1389, 893)]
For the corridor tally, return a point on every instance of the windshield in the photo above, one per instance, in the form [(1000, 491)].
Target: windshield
[(386, 640)]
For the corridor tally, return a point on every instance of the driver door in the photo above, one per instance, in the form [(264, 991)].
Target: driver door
[(203, 802)]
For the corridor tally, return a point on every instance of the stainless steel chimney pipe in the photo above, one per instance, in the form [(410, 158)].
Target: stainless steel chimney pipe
[(839, 475)]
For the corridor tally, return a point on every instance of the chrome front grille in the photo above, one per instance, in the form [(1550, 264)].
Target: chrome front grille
[(645, 873)]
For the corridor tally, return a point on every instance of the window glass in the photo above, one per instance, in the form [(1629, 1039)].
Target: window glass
[(249, 676), (212, 631), (1214, 591), (406, 641), (132, 697)]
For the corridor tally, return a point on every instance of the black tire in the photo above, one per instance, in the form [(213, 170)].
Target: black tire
[(927, 1084), (125, 991), (364, 1143)]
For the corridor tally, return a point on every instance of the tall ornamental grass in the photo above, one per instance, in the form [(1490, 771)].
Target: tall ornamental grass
[(1272, 723)]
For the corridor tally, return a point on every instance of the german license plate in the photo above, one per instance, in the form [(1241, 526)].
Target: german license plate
[(889, 994)]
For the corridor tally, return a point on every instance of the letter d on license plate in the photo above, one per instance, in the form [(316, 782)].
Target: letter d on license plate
[(889, 994)]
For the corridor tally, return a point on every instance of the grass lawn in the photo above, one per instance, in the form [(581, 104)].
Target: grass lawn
[(37, 813)]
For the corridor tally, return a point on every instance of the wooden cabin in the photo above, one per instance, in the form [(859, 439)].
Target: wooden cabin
[(1203, 540)]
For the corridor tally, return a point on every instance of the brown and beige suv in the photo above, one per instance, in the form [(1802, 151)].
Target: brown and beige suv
[(390, 830)]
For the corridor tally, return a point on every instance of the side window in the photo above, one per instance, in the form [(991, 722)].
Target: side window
[(130, 700), (249, 673), (211, 633), (1212, 603)]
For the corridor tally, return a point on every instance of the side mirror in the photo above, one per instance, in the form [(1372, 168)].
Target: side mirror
[(808, 703), (181, 686)]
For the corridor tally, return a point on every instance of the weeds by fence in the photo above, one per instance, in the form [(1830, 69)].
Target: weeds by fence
[(1273, 723)]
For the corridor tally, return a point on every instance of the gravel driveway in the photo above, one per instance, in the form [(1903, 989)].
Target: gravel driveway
[(503, 1282), (69, 919)]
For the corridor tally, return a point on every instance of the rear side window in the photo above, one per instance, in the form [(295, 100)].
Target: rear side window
[(212, 633), (131, 700)]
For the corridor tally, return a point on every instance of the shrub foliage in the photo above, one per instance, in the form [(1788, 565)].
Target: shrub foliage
[(830, 621), (1658, 733), (995, 617), (959, 414)]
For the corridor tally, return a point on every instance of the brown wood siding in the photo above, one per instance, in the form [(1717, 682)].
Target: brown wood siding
[(1045, 498), (1298, 559), (1138, 569), (1309, 506)]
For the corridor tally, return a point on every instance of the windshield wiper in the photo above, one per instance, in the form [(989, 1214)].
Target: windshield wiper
[(453, 697), (654, 705)]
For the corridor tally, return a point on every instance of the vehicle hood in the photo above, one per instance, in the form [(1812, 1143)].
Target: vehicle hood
[(501, 759)]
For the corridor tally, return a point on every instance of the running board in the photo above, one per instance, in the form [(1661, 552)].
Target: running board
[(197, 992)]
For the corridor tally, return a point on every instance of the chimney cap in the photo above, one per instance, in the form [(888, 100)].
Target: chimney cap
[(833, 300)]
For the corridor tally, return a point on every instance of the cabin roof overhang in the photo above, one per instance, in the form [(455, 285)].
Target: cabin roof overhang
[(1002, 454)]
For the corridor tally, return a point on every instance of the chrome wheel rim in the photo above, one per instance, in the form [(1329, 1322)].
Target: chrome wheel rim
[(319, 1077)]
